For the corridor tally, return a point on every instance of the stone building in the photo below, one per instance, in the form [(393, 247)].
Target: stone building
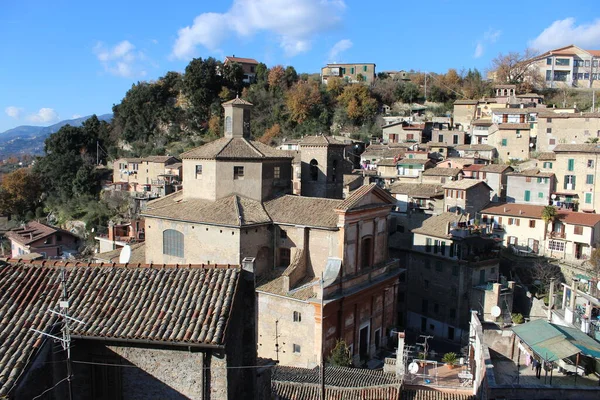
[(495, 175), (511, 141), (570, 237), (146, 331), (351, 73), (347, 243), (566, 128), (149, 174), (323, 165), (530, 187), (464, 113), (576, 168), (451, 263), (466, 196), (441, 175), (482, 153)]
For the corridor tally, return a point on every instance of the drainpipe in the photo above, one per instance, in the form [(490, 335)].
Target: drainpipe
[(550, 299)]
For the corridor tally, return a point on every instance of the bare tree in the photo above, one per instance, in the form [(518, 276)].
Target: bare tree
[(594, 261), (519, 69), (543, 272)]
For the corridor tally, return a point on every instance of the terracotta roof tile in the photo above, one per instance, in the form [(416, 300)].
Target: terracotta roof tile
[(437, 225), (309, 211), (241, 60), (547, 156), (577, 148), (114, 302), (440, 171), (534, 211), (475, 147), (431, 394), (356, 197), (33, 231), (417, 190), (233, 210), (463, 184), (238, 101), (320, 140), (234, 148), (496, 168), (534, 172)]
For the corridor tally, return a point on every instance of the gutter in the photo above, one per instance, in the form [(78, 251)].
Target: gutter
[(152, 342)]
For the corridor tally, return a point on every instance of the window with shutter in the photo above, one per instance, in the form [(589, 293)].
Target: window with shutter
[(571, 164), (578, 230), (527, 195), (588, 198)]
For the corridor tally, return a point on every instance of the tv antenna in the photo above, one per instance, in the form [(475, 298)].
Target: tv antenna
[(65, 340)]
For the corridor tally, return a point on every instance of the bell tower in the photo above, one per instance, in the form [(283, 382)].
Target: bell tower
[(237, 118)]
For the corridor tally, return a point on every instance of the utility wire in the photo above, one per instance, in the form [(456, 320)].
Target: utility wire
[(47, 390)]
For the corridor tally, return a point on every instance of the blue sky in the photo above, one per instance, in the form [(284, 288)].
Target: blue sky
[(61, 59)]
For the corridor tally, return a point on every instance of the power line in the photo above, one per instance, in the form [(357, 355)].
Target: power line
[(47, 390)]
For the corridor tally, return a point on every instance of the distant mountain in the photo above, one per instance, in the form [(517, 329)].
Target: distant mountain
[(26, 139)]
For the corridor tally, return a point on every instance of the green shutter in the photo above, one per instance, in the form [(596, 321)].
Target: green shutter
[(365, 68), (588, 198), (571, 166), (541, 195), (504, 142), (352, 70), (589, 179), (527, 195)]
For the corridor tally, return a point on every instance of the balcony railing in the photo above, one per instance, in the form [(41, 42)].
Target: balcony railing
[(559, 235)]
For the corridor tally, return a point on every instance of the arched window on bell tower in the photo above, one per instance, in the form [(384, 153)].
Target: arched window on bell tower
[(228, 124), (314, 170)]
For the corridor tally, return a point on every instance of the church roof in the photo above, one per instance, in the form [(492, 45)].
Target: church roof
[(234, 148), (233, 210), (238, 101), (320, 140)]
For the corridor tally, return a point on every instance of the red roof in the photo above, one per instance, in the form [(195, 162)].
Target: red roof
[(534, 211), (241, 60), (473, 167)]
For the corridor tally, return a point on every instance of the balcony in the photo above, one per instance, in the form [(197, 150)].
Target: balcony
[(557, 235)]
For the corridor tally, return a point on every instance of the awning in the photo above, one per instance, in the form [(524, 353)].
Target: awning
[(554, 342)]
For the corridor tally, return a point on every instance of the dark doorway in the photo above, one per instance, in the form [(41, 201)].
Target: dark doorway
[(423, 324), (364, 343), (367, 252), (450, 333)]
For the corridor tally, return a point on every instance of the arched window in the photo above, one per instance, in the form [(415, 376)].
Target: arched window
[(367, 252), (228, 124), (314, 169), (173, 243)]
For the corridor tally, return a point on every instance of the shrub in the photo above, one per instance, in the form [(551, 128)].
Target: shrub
[(517, 318), (450, 358)]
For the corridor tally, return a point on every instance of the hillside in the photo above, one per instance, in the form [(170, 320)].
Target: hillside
[(26, 139)]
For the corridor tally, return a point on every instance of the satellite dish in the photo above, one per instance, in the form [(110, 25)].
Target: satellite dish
[(125, 255), (553, 196), (496, 311), (413, 367)]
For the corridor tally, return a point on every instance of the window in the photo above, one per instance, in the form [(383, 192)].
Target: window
[(590, 163), (410, 136), (548, 165), (551, 142), (588, 198), (548, 130), (276, 172), (549, 75), (556, 245), (296, 348), (528, 179), (586, 133), (334, 170), (571, 164), (527, 195), (228, 128), (284, 257), (563, 61), (297, 316), (364, 68), (443, 248), (238, 172), (532, 223), (314, 169), (352, 70), (549, 120), (504, 142), (428, 245), (589, 179), (436, 244), (540, 195), (569, 182), (578, 230), (367, 252), (282, 234), (173, 243), (198, 171), (441, 138), (549, 61), (455, 139)]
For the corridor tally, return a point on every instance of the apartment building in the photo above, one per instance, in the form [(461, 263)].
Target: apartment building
[(351, 72), (569, 66), (571, 236), (441, 175), (576, 168), (530, 187), (511, 141), (495, 175), (451, 137), (569, 128), (481, 130), (464, 112), (466, 196), (148, 174), (402, 132), (485, 153), (453, 265)]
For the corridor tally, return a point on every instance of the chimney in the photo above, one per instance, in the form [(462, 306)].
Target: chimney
[(400, 367), (248, 265), (504, 209)]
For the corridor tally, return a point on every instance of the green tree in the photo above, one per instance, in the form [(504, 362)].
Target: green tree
[(549, 214), (201, 85), (233, 76), (340, 355), (291, 76), (262, 73), (360, 106)]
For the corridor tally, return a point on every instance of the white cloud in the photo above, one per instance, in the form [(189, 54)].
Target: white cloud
[(75, 116), (293, 22), (44, 115), (489, 37), (478, 50), (338, 48), (565, 32), (14, 112), (121, 60)]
